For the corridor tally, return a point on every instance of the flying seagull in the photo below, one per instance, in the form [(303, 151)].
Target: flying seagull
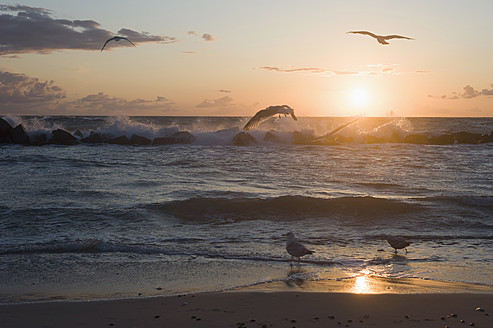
[(382, 39), (116, 39), (295, 249), (398, 243), (268, 112)]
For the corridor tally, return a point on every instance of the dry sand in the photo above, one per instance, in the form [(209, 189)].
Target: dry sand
[(261, 308)]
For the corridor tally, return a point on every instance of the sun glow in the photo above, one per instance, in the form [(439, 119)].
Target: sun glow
[(359, 97)]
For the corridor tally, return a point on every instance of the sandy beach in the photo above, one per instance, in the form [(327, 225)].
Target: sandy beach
[(269, 307)]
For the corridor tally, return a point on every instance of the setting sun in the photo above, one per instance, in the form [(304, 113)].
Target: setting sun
[(359, 97)]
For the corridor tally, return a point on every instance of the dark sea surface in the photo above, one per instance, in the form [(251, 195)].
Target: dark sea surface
[(108, 221)]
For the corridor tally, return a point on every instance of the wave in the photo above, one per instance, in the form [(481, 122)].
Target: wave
[(485, 202), (283, 208), (221, 130)]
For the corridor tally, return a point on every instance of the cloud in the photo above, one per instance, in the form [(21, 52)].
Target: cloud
[(35, 30), (205, 36), (468, 93), (103, 103), (208, 37), (218, 102), (21, 89), (374, 70), (24, 95)]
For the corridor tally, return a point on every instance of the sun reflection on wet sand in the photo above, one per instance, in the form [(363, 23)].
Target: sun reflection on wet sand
[(361, 285)]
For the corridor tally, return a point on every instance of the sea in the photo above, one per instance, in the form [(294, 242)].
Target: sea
[(105, 221)]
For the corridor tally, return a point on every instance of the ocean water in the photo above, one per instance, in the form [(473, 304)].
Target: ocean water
[(107, 221)]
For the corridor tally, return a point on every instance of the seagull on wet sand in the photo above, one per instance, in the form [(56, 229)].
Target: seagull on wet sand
[(116, 39), (382, 39), (294, 248), (398, 243), (268, 112)]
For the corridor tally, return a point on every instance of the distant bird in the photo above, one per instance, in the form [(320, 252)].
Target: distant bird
[(398, 243), (116, 39), (295, 249), (268, 112), (382, 39)]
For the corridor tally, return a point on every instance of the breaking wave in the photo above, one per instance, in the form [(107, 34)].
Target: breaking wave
[(283, 208)]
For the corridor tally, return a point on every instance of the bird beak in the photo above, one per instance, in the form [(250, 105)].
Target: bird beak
[(294, 117)]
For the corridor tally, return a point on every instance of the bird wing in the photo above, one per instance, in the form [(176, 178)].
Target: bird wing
[(394, 36), (110, 39), (129, 41), (297, 249), (363, 32), (258, 117)]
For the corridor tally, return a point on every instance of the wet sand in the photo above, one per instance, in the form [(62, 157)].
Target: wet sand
[(268, 307)]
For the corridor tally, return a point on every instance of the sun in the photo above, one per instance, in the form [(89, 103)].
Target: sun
[(359, 97)]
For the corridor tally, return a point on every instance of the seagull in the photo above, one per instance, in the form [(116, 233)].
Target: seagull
[(382, 39), (295, 249), (116, 39), (268, 112), (398, 243)]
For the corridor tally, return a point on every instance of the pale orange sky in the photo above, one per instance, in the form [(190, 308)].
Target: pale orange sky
[(232, 58)]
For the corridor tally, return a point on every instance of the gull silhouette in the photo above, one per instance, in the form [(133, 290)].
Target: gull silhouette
[(398, 242), (116, 39), (268, 112), (382, 39), (294, 248)]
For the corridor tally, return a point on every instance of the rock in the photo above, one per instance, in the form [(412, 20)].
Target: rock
[(5, 130), (39, 140), (5, 140), (121, 140), (467, 137), (271, 137), (420, 139), (62, 137), (181, 137), (342, 139), (244, 139), (444, 139), (302, 139), (139, 140), (93, 138), (19, 135)]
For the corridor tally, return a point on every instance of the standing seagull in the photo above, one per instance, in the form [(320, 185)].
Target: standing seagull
[(116, 39), (268, 112), (295, 249), (398, 243), (382, 39)]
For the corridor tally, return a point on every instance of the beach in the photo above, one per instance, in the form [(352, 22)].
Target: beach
[(422, 306), (163, 235)]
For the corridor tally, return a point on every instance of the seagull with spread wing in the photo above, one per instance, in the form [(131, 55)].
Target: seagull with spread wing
[(268, 112), (116, 39), (382, 39)]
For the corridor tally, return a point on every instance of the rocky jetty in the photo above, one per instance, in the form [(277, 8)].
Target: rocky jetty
[(18, 135)]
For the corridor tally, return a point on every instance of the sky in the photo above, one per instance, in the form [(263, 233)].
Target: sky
[(233, 58)]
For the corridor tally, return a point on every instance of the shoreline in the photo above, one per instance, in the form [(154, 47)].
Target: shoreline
[(400, 302)]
